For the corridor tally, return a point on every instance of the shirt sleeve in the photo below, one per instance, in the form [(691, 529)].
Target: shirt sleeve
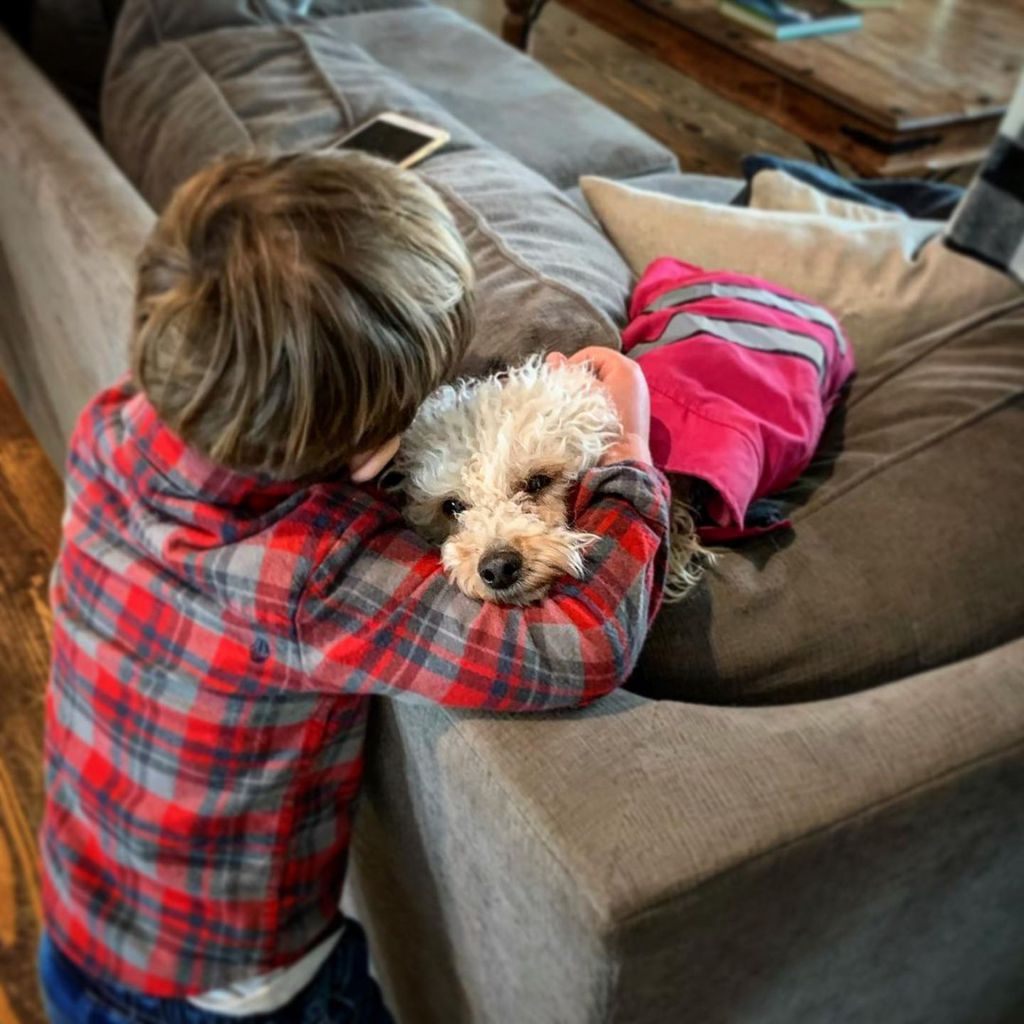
[(379, 616)]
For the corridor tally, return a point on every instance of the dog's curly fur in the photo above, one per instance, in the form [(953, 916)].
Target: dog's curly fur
[(487, 466)]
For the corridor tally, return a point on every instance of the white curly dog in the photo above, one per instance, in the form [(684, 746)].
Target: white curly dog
[(486, 469)]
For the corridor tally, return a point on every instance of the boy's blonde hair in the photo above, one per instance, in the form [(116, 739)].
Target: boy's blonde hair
[(294, 311)]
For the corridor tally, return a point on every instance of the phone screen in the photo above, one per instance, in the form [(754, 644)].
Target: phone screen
[(386, 140)]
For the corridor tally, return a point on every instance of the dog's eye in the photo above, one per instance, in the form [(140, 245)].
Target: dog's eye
[(451, 507), (537, 483)]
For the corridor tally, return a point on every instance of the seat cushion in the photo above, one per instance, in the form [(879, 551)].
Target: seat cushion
[(836, 862), (903, 553), (503, 95), (546, 275)]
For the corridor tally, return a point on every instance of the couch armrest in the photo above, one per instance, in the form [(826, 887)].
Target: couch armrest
[(654, 861), (70, 228)]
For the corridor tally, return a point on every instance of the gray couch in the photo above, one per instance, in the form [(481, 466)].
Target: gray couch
[(825, 824)]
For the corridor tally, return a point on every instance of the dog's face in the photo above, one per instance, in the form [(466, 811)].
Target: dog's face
[(487, 466)]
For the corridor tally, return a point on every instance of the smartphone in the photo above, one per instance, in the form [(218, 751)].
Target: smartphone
[(396, 138)]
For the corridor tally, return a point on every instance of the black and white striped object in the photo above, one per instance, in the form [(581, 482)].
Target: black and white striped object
[(989, 222)]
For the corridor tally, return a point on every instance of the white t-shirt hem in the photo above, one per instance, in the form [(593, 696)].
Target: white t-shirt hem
[(265, 993)]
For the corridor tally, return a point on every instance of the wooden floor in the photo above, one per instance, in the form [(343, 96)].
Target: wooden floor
[(30, 509)]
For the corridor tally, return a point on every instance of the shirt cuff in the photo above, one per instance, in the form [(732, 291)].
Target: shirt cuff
[(638, 483)]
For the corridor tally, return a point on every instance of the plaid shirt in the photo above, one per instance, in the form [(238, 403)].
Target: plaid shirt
[(216, 641)]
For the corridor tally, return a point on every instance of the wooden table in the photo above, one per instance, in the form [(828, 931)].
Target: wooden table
[(919, 89)]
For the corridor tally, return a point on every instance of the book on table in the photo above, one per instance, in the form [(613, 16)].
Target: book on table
[(793, 19)]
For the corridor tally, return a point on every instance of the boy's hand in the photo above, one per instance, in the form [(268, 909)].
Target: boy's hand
[(627, 388)]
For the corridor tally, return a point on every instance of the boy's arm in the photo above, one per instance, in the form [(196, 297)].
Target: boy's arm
[(380, 617)]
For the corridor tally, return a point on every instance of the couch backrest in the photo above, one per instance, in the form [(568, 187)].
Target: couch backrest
[(547, 277), (71, 226)]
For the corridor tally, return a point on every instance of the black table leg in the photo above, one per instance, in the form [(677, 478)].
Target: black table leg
[(519, 18)]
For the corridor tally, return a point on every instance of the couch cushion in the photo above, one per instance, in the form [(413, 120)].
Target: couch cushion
[(887, 280), (180, 104), (70, 228), (142, 24), (904, 551), (777, 190), (509, 99), (662, 863), (704, 188), (547, 276)]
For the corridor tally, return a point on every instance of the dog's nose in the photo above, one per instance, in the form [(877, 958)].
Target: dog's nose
[(501, 569)]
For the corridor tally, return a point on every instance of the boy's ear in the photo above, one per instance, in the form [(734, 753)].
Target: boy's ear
[(368, 466)]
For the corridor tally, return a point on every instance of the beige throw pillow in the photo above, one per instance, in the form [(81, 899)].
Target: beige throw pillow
[(888, 279), (777, 190)]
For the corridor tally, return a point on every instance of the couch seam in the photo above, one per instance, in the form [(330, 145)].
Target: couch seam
[(218, 91), (495, 239), (878, 805), (946, 334), (325, 80), (805, 513)]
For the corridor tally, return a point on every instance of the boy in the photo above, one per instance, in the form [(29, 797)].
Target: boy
[(231, 591)]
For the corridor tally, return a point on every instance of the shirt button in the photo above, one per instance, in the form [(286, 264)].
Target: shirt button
[(259, 650)]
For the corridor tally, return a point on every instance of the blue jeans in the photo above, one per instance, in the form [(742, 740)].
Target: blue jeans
[(341, 992)]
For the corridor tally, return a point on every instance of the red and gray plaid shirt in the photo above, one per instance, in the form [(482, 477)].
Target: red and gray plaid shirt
[(216, 640)]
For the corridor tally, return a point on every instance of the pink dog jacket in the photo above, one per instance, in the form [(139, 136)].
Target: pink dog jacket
[(742, 376)]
